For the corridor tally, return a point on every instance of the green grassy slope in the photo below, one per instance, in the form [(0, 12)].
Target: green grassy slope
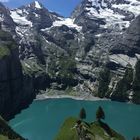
[(95, 130), (67, 131)]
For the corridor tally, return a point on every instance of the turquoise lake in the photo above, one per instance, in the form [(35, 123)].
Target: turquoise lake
[(42, 120)]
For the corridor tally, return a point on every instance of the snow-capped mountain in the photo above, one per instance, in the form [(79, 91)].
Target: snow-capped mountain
[(34, 14), (74, 51), (107, 13)]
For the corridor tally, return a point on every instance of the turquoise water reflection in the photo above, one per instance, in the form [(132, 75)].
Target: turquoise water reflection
[(42, 120)]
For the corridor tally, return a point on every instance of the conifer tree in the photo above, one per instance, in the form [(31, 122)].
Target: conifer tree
[(100, 114), (82, 114)]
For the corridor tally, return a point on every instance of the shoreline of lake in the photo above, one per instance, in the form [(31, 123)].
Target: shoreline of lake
[(31, 122), (82, 98)]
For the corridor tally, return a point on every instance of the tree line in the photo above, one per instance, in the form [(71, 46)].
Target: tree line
[(99, 114)]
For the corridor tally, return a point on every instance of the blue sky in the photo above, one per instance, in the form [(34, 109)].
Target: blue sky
[(63, 7)]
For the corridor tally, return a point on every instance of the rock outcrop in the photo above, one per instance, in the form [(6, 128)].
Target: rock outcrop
[(16, 89), (6, 132), (75, 129)]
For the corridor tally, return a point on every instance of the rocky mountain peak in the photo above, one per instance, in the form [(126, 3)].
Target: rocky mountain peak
[(112, 1), (2, 8), (97, 3), (107, 14), (3, 12), (131, 6), (33, 15), (36, 5), (6, 22)]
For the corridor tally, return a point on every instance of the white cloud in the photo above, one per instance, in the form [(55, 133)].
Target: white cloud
[(4, 0)]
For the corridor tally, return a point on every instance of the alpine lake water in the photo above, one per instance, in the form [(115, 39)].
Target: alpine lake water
[(43, 119)]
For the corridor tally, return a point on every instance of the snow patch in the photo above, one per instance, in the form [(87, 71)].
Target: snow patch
[(47, 41), (19, 11), (112, 19), (130, 95), (27, 65), (22, 31), (68, 22), (99, 9), (21, 20), (18, 31), (98, 35), (36, 15), (133, 7), (1, 17), (37, 5), (137, 55), (104, 4)]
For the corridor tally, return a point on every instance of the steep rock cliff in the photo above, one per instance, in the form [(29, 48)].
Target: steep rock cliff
[(16, 89), (86, 54)]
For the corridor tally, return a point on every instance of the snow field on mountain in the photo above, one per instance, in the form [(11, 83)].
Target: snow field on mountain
[(19, 19), (68, 22)]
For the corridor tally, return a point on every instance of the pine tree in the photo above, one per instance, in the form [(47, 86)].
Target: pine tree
[(100, 114), (82, 114)]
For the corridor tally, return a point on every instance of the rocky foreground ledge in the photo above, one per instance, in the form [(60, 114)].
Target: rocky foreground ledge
[(7, 133), (89, 131)]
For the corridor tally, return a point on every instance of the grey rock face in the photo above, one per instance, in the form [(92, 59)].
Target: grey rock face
[(73, 54), (16, 90), (113, 47), (129, 43), (39, 17), (103, 14), (6, 22), (29, 20), (80, 14)]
